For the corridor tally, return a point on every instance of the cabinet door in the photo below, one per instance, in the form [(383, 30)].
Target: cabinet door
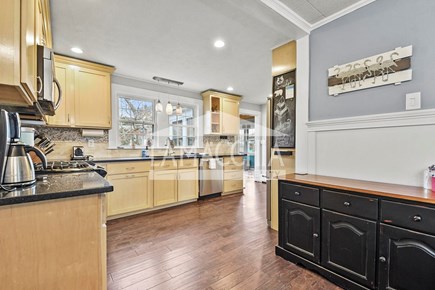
[(349, 246), (65, 76), (230, 117), (28, 47), (92, 99), (299, 229), (131, 192), (165, 187), (406, 259), (187, 184)]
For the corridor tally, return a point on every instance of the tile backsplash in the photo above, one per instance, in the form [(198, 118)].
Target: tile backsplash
[(65, 138)]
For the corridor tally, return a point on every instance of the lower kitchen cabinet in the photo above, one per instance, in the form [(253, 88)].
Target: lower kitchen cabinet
[(349, 246), (187, 186), (406, 259), (165, 187), (132, 192), (300, 229)]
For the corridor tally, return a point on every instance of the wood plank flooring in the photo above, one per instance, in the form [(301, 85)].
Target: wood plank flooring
[(220, 243)]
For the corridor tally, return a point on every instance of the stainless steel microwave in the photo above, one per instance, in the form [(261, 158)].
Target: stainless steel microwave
[(47, 82)]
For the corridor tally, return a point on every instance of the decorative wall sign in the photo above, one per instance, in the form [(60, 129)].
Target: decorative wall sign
[(392, 67), (284, 110)]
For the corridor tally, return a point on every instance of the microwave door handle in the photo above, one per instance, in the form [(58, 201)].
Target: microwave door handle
[(59, 88)]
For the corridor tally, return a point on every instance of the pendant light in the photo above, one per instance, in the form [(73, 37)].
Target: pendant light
[(179, 110), (159, 107), (169, 109)]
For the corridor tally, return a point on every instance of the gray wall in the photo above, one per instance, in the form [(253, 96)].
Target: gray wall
[(373, 29)]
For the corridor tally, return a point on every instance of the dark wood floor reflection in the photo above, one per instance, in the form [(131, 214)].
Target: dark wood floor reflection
[(221, 243)]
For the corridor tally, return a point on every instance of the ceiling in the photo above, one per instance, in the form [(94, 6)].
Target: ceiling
[(174, 39)]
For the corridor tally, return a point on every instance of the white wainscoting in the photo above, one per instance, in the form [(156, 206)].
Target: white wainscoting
[(392, 148)]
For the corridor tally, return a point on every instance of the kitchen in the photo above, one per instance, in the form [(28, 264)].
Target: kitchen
[(157, 197)]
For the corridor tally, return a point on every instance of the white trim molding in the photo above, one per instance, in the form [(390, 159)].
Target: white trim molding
[(297, 20), (397, 119)]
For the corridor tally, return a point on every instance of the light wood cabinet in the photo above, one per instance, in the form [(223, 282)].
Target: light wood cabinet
[(132, 192), (187, 184), (133, 187), (58, 244), (165, 187), (233, 175), (87, 94), (23, 25), (221, 113)]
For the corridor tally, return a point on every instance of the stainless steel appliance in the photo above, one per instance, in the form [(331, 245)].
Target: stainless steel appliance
[(16, 166), (78, 153), (70, 167), (211, 176), (46, 78)]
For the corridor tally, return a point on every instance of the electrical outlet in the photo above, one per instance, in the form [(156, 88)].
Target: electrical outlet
[(91, 143), (413, 101)]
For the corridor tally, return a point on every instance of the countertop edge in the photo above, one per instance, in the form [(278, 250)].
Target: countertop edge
[(128, 159), (375, 192)]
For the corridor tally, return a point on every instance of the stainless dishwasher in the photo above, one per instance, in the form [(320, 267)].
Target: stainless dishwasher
[(211, 176)]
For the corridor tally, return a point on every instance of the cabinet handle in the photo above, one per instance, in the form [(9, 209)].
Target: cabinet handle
[(130, 168), (382, 259), (417, 218), (68, 119), (40, 84), (315, 235), (297, 193), (346, 203)]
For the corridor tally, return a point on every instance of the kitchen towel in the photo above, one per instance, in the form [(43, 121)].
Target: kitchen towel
[(212, 163)]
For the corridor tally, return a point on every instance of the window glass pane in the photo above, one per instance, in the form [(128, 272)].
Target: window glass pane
[(182, 129), (136, 110)]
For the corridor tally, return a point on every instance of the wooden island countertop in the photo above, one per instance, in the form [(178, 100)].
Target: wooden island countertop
[(412, 193)]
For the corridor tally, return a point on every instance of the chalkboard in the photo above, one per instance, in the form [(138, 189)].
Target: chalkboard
[(284, 110)]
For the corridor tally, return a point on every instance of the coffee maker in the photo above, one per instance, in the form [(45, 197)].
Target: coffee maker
[(16, 166)]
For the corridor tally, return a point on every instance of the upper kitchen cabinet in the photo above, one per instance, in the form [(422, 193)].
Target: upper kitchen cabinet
[(221, 113), (86, 94), (23, 25)]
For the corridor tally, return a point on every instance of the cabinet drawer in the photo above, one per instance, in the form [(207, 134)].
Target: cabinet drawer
[(365, 207), (413, 217), (233, 163), (165, 164), (128, 167), (187, 163), (233, 185), (299, 193), (233, 175)]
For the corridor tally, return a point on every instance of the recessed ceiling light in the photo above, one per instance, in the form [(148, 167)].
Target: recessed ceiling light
[(76, 50), (219, 43), (230, 89)]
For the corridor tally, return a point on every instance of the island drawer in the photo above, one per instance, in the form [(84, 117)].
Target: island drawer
[(165, 164), (409, 216), (233, 185), (128, 167), (233, 163), (365, 207), (233, 175), (299, 193), (187, 163)]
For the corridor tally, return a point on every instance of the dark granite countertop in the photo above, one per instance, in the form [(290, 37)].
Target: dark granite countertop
[(124, 159), (58, 186)]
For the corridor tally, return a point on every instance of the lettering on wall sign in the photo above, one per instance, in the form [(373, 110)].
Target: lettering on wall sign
[(392, 67)]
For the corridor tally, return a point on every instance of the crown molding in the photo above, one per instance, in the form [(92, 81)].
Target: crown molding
[(297, 20)]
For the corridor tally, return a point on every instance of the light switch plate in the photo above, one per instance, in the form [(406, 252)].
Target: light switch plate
[(91, 143), (413, 101)]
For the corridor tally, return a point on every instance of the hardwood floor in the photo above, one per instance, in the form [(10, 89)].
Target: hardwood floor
[(220, 243)]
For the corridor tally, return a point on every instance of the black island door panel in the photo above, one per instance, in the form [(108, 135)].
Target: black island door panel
[(300, 229), (406, 259), (349, 247)]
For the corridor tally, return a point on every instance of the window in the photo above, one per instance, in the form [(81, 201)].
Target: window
[(136, 121), (182, 128)]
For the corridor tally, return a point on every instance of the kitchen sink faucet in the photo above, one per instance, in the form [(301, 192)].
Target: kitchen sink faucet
[(170, 150)]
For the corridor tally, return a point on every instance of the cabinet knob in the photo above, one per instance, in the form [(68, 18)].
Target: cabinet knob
[(297, 193), (417, 218), (346, 203), (382, 259), (315, 235)]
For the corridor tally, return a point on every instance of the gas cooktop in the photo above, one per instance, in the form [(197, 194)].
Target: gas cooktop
[(69, 167)]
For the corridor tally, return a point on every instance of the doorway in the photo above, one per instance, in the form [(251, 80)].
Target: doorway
[(247, 144)]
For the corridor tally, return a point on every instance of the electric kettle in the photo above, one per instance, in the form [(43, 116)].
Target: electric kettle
[(16, 166)]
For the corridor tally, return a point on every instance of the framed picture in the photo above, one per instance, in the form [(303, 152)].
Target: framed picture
[(284, 110)]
